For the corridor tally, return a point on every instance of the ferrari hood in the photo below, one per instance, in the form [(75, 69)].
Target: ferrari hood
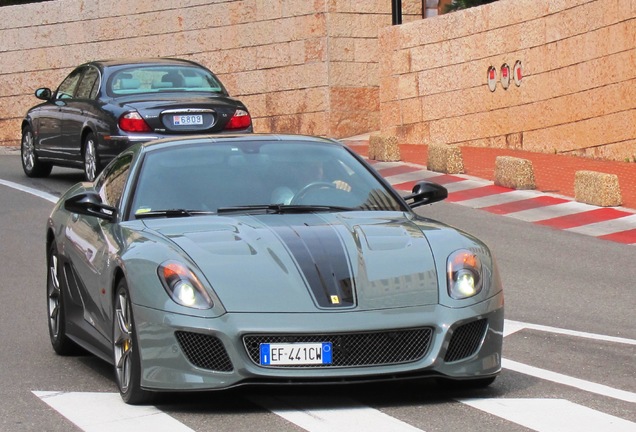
[(310, 262)]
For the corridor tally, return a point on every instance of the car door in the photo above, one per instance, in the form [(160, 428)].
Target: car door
[(92, 246), (79, 111), (50, 137)]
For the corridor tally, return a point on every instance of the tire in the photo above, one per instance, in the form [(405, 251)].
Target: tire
[(126, 351), (92, 167), (31, 164), (56, 309)]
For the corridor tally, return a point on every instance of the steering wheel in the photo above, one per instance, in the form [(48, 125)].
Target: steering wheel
[(310, 187)]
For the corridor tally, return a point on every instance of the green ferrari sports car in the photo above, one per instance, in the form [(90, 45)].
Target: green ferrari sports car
[(208, 262)]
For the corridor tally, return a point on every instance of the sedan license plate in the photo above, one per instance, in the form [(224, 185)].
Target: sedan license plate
[(286, 354), (187, 120)]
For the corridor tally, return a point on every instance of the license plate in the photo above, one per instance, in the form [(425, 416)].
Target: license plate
[(185, 120), (285, 354)]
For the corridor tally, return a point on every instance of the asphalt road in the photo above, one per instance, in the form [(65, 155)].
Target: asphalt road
[(569, 352)]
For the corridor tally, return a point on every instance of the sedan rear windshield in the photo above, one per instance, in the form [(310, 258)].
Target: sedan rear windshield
[(155, 79)]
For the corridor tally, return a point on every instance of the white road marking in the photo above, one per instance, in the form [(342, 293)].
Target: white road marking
[(625, 223), (551, 211), (463, 185), (581, 384), (551, 415), (499, 198), (511, 327), (379, 166), (350, 415), (29, 190), (410, 176), (106, 412)]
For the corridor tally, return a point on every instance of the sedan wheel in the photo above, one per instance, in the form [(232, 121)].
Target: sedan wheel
[(91, 160), (30, 163), (56, 308), (126, 351)]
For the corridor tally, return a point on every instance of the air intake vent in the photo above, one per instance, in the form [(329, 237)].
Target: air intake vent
[(204, 351), (466, 340)]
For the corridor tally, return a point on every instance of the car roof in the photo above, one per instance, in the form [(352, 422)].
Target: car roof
[(224, 139), (141, 61)]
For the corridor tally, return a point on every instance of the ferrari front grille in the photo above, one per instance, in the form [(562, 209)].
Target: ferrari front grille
[(354, 349), (465, 340), (204, 351)]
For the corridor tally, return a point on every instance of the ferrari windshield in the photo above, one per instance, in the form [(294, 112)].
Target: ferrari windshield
[(256, 176), (156, 78)]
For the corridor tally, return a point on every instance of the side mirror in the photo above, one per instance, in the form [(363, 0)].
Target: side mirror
[(43, 93), (425, 192), (90, 204)]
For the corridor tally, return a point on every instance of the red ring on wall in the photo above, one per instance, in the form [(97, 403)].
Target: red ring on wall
[(491, 76), (505, 76), (517, 73)]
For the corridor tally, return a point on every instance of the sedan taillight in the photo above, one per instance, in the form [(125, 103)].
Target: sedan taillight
[(133, 122), (240, 120)]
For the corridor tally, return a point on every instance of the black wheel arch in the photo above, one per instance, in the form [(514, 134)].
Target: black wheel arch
[(50, 238), (118, 275), (87, 129)]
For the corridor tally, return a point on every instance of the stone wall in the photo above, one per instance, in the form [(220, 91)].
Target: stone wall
[(318, 66), (303, 66), (577, 93)]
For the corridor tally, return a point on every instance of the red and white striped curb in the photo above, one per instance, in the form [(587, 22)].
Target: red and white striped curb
[(607, 223)]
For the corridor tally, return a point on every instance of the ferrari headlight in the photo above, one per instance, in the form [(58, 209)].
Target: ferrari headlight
[(183, 286), (464, 274)]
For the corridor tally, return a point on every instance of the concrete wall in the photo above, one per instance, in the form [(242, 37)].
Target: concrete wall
[(578, 88), (305, 66)]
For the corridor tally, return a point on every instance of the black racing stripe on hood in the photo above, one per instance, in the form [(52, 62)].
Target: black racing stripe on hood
[(321, 256)]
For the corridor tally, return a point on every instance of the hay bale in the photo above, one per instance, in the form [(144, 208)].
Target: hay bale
[(514, 173), (384, 148), (596, 188), (374, 144), (445, 159)]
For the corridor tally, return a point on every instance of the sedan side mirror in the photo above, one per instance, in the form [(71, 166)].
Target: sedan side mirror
[(90, 204), (43, 93), (425, 192)]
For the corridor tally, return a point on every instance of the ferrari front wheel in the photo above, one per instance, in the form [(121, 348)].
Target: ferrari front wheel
[(56, 307), (126, 350)]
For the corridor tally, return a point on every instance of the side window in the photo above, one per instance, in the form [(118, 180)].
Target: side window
[(66, 90), (112, 182), (88, 85)]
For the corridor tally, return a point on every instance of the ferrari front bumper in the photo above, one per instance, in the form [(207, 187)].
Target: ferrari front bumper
[(464, 343)]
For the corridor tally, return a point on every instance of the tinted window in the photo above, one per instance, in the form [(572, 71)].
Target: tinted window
[(66, 90), (112, 181), (155, 78), (87, 88), (212, 176)]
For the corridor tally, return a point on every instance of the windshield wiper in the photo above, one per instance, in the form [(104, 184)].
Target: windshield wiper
[(171, 213), (280, 208)]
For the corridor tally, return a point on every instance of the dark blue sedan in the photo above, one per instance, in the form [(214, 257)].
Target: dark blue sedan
[(103, 107)]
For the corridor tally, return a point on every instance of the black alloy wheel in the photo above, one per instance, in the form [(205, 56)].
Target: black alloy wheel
[(56, 307), (126, 350)]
